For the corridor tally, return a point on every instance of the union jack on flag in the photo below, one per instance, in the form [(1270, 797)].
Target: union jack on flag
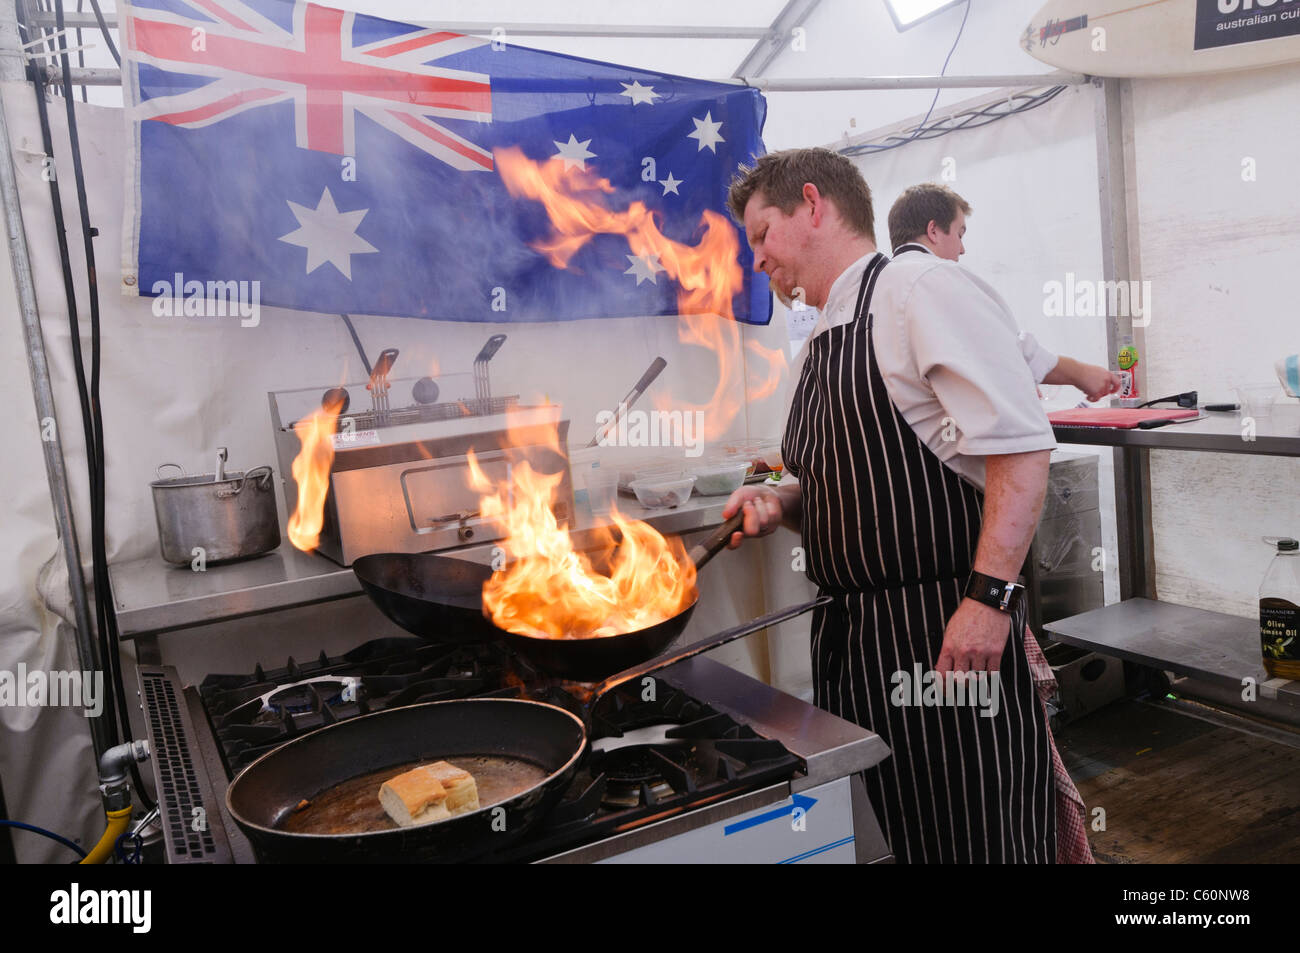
[(315, 65), (328, 154)]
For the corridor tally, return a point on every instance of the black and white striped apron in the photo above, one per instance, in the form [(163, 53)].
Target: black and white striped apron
[(890, 532)]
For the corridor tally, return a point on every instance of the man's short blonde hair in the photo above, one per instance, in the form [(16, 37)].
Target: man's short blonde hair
[(781, 176)]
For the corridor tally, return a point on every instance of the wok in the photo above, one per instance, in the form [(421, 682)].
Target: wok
[(431, 595), (438, 598), (523, 754)]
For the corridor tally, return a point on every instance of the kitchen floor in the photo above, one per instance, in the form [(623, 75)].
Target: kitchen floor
[(1176, 789)]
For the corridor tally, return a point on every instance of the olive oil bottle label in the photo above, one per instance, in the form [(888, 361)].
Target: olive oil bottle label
[(1279, 628)]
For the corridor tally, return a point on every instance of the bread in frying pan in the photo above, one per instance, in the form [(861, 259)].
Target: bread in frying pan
[(462, 791), (430, 792), (416, 797)]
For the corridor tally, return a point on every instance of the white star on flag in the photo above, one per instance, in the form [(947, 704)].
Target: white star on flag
[(574, 152), (706, 132), (638, 93), (670, 184), (644, 266), (328, 234)]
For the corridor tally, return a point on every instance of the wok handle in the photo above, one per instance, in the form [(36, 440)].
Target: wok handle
[(706, 549), (712, 642)]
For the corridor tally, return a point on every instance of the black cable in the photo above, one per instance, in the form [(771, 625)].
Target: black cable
[(961, 29), (103, 28), (19, 825), (137, 843), (78, 365), (7, 855), (103, 584), (357, 341), (50, 48), (976, 118), (923, 132), (81, 56)]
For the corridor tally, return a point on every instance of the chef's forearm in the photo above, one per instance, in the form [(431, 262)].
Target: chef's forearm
[(1062, 372), (791, 506), (1014, 487)]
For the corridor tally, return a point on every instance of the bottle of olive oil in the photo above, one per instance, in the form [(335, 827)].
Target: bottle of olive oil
[(1279, 612)]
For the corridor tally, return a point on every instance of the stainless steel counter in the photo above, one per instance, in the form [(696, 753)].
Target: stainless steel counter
[(152, 597), (1211, 648), (1220, 649), (1278, 434)]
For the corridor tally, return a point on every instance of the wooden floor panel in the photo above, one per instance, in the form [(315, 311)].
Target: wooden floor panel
[(1177, 789)]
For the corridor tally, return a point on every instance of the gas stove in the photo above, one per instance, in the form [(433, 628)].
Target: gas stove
[(656, 749), (664, 756)]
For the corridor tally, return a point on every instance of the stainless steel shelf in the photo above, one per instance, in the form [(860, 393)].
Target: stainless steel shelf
[(1217, 648), (152, 597), (1275, 435)]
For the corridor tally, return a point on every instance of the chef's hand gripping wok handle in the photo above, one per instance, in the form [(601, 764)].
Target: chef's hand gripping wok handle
[(704, 645), (706, 549)]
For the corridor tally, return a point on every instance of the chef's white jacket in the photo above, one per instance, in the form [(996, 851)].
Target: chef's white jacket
[(952, 359)]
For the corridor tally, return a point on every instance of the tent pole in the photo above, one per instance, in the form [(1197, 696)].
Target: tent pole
[(761, 56), (11, 70), (86, 21), (824, 85), (111, 76), (1134, 536)]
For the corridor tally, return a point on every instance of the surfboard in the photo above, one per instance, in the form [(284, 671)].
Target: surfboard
[(1163, 37)]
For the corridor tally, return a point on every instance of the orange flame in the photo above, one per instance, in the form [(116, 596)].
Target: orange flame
[(774, 360), (550, 590), (708, 274), (311, 471)]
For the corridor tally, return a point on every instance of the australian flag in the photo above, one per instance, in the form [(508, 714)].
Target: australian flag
[(347, 164)]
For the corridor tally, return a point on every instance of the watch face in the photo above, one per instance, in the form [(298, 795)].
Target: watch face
[(994, 592)]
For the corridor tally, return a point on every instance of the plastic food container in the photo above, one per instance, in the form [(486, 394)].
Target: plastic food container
[(655, 471), (770, 454), (764, 454), (655, 492), (721, 479)]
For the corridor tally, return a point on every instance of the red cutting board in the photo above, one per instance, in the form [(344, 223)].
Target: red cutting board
[(1120, 418)]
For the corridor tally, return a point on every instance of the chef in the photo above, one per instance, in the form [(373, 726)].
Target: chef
[(930, 219), (921, 458)]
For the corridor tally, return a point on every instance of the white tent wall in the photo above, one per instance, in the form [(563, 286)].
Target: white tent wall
[(1219, 219), (46, 759), (844, 38), (174, 389)]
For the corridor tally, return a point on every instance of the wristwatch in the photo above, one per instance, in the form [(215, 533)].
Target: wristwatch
[(998, 593)]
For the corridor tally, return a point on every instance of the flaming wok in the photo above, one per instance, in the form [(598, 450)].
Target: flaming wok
[(439, 598)]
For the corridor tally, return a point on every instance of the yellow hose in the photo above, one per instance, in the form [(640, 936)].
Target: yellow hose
[(117, 824)]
